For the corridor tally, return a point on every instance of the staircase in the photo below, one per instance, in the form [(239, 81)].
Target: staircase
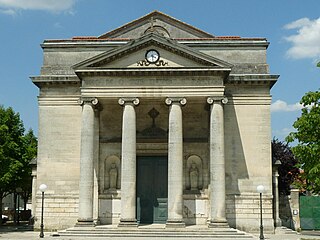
[(156, 231)]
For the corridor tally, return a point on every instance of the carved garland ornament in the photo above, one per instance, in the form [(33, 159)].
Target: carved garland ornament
[(145, 63)]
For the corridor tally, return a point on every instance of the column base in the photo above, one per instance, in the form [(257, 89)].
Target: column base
[(85, 223), (175, 224), (218, 224), (128, 223), (278, 223)]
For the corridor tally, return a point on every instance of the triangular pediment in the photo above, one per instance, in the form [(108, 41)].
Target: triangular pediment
[(159, 22), (172, 55)]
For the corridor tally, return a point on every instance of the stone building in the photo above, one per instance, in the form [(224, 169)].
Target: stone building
[(155, 122)]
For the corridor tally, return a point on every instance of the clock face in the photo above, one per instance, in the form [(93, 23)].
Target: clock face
[(152, 56)]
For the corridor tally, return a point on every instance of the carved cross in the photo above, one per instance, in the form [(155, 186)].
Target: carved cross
[(153, 113)]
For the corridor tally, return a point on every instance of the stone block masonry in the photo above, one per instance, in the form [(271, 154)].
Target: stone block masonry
[(59, 211)]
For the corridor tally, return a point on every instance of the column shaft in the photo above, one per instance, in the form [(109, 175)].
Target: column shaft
[(175, 164), (217, 166), (96, 167), (86, 164), (128, 163)]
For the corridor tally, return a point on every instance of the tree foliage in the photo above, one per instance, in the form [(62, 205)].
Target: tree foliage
[(307, 135), (11, 140), (288, 172), (16, 151)]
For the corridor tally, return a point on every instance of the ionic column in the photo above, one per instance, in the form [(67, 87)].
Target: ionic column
[(128, 162), (175, 163), (86, 162), (217, 164)]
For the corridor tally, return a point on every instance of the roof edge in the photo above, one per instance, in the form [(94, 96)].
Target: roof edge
[(149, 15)]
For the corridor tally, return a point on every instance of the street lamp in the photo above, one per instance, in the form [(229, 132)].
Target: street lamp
[(275, 169), (19, 191), (42, 188), (260, 189)]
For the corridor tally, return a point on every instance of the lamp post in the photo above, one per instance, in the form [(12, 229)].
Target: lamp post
[(42, 188), (260, 189), (275, 168), (19, 191)]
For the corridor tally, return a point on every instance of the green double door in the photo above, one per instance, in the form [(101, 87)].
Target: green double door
[(152, 190)]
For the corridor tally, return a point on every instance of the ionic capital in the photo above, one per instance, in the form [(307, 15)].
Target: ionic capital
[(212, 100), (181, 101), (88, 100), (132, 101)]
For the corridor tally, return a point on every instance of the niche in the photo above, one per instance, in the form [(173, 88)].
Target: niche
[(112, 172), (194, 173)]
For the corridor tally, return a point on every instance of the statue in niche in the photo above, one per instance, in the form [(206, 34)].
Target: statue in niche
[(194, 176), (113, 176)]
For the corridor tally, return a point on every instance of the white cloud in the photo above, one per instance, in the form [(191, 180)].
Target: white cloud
[(305, 42), (282, 133), (8, 12), (46, 5), (57, 25), (282, 106)]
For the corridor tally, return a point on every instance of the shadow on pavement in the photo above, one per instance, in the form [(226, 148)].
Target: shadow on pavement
[(11, 227), (310, 233)]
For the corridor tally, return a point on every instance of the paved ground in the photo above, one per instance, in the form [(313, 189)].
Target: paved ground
[(35, 235), (14, 233)]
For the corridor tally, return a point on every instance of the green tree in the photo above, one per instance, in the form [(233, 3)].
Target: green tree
[(29, 152), (307, 136), (16, 150), (288, 172)]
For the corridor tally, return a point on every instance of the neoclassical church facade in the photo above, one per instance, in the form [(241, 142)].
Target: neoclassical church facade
[(154, 122)]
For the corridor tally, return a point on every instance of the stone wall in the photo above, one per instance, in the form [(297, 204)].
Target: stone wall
[(289, 210), (243, 212), (60, 211)]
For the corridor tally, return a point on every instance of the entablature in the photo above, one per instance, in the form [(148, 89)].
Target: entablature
[(153, 91)]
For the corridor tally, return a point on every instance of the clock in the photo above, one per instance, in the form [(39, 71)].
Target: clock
[(152, 56)]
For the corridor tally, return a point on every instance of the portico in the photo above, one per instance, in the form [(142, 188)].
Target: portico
[(174, 153)]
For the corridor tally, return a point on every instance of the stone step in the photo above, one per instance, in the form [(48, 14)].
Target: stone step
[(204, 233), (285, 230)]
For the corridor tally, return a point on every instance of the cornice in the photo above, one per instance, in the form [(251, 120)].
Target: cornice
[(210, 43), (252, 79), (55, 79), (206, 71)]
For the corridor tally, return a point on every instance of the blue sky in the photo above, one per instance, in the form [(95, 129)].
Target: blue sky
[(291, 26)]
